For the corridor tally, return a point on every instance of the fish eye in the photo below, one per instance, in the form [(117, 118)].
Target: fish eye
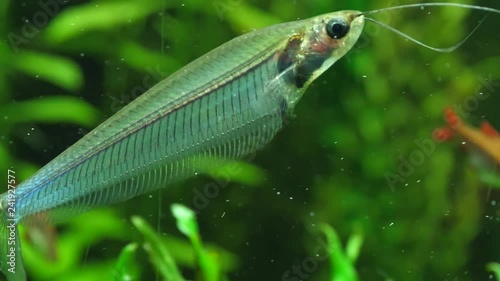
[(337, 28)]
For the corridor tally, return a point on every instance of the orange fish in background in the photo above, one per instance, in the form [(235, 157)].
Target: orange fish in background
[(485, 139)]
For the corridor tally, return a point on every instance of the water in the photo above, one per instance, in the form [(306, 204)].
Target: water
[(359, 155)]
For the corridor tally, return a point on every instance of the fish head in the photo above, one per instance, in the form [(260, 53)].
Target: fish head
[(317, 43)]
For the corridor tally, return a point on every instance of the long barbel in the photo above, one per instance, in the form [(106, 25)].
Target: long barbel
[(226, 104)]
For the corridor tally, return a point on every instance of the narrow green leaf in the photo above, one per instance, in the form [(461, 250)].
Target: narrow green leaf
[(73, 242), (51, 110), (127, 268), (186, 223), (495, 268), (490, 178), (54, 69), (143, 59), (98, 16), (186, 220), (234, 171), (159, 254), (243, 16), (342, 268), (353, 246)]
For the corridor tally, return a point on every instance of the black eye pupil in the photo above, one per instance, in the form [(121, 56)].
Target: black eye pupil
[(337, 28)]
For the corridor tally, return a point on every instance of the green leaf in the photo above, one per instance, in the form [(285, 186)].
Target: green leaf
[(51, 110), (353, 246), (98, 16), (127, 268), (233, 170), (57, 70), (342, 267), (490, 178), (495, 268), (186, 220), (159, 254), (243, 16), (141, 59), (186, 223), (72, 244)]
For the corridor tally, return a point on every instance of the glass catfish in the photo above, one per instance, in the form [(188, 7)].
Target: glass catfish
[(227, 104)]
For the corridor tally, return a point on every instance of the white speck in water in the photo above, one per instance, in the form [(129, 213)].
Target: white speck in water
[(311, 214), (291, 198), (150, 196), (391, 224), (82, 54), (278, 193), (364, 76), (493, 202), (418, 181), (464, 143), (6, 117), (223, 214), (183, 5)]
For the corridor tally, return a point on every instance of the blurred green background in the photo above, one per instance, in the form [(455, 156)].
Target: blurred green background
[(65, 66)]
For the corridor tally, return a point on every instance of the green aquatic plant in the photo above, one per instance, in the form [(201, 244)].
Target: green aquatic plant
[(495, 268), (328, 165)]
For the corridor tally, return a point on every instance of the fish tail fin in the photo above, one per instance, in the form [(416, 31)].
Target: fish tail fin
[(11, 264)]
